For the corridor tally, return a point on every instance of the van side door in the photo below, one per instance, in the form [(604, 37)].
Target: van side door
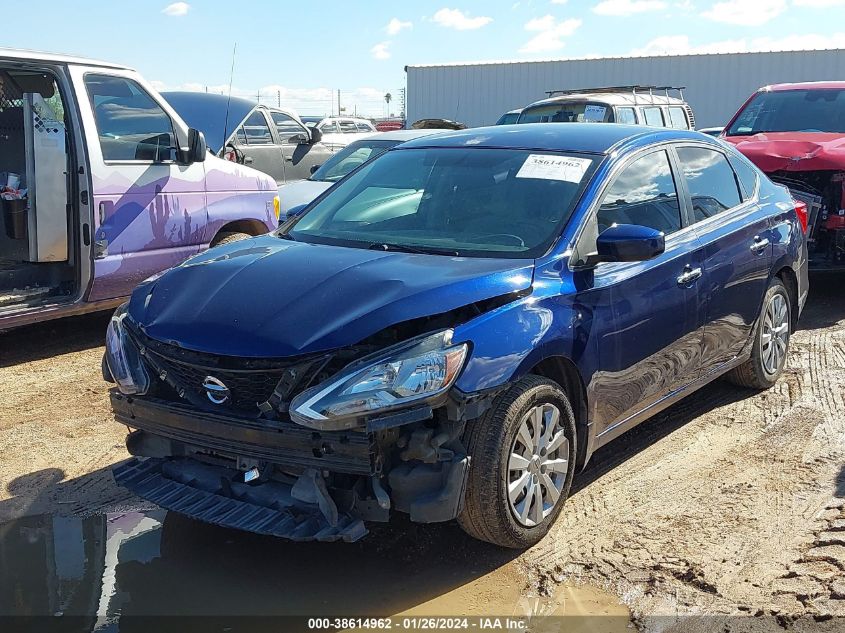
[(736, 235), (149, 210)]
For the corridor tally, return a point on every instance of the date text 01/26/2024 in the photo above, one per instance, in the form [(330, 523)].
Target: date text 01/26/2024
[(422, 623)]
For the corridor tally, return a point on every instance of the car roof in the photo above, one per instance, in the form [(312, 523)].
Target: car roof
[(611, 98), (807, 85), (592, 138), (407, 135), (55, 58)]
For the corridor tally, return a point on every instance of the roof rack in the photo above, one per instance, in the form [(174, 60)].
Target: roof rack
[(632, 89)]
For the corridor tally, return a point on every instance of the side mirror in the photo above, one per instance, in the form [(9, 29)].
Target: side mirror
[(314, 169), (197, 147), (300, 139), (295, 211), (316, 135), (629, 243)]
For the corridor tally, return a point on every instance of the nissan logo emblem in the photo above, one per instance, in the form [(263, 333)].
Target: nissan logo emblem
[(216, 391)]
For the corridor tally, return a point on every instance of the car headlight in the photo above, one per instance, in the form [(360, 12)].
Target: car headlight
[(277, 206), (416, 371), (124, 358)]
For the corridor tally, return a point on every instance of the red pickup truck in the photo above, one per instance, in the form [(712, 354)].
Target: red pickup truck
[(796, 134)]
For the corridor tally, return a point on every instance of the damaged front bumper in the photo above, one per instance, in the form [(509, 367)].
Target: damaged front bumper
[(279, 478)]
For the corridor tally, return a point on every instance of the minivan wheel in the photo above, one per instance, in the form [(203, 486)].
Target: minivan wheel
[(522, 462), (227, 237), (771, 341)]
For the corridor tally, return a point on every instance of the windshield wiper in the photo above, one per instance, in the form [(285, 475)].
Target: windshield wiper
[(406, 248)]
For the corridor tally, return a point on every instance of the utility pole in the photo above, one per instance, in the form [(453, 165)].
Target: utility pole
[(338, 103), (279, 98)]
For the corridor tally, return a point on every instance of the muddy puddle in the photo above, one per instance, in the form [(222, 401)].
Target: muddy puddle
[(108, 567)]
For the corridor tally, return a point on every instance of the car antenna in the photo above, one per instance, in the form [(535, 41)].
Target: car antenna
[(229, 98)]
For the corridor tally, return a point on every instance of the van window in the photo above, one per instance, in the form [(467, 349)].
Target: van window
[(653, 116), (678, 118), (645, 194), (626, 115), (130, 124), (565, 112), (255, 130), (711, 181), (286, 126)]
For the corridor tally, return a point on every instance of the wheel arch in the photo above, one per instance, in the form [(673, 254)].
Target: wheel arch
[(564, 372), (247, 225), (787, 275)]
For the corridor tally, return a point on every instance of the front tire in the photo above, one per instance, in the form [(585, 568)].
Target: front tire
[(522, 463), (771, 341)]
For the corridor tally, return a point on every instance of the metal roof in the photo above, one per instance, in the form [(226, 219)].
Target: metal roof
[(592, 138), (55, 58)]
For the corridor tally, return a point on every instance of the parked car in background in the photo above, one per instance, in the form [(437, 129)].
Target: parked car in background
[(509, 117), (271, 140), (453, 329), (711, 131), (298, 194), (340, 131), (390, 126), (104, 185), (437, 124), (633, 105), (796, 134)]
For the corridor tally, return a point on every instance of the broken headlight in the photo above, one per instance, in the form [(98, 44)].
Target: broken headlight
[(416, 371), (124, 358)]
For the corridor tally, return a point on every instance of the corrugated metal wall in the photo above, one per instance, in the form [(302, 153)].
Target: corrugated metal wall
[(477, 94)]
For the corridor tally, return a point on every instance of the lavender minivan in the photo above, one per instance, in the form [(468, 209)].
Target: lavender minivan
[(102, 185)]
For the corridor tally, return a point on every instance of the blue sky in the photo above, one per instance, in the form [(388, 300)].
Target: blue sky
[(302, 52)]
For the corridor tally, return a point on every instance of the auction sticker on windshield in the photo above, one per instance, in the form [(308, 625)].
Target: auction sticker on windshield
[(552, 167)]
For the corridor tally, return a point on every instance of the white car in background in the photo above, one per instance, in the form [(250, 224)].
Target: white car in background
[(340, 131), (297, 194)]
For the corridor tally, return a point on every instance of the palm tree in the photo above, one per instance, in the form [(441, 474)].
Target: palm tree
[(387, 99)]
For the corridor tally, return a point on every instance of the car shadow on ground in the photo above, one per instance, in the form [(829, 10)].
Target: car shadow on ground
[(825, 303), (53, 338)]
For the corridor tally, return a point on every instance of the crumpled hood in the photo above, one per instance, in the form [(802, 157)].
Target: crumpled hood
[(793, 151), (270, 297)]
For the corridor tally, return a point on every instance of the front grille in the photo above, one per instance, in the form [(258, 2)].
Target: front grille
[(251, 382)]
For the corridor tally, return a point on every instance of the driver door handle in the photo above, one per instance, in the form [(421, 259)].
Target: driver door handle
[(689, 275), (248, 160), (759, 245)]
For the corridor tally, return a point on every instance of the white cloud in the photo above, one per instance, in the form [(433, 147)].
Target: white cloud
[(176, 9), (627, 7), (745, 12), (457, 19), (681, 45), (559, 1), (818, 4), (395, 25), (550, 34), (380, 50)]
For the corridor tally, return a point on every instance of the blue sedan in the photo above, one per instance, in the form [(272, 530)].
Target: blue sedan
[(454, 329)]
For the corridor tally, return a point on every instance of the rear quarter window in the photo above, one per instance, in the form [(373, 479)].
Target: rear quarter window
[(653, 116)]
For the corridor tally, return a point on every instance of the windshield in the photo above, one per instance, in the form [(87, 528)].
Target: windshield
[(474, 202), (508, 118), (350, 157), (566, 112), (813, 110)]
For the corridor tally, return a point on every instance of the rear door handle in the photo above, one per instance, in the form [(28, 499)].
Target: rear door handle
[(689, 275), (759, 245), (248, 160)]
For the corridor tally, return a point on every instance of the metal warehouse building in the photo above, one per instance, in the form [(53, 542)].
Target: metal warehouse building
[(716, 84)]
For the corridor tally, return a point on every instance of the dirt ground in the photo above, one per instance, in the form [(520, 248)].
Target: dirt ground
[(731, 503)]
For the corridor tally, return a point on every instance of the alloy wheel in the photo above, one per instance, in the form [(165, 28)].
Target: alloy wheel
[(775, 335), (537, 465)]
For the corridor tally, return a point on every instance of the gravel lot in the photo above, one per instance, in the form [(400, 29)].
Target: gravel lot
[(730, 503)]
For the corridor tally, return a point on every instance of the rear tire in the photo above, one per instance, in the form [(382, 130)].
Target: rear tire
[(771, 341), (227, 237), (508, 454)]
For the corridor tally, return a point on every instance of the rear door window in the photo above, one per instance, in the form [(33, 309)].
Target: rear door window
[(710, 180), (645, 194), (626, 115), (678, 118), (328, 128), (348, 127), (653, 116), (130, 124)]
